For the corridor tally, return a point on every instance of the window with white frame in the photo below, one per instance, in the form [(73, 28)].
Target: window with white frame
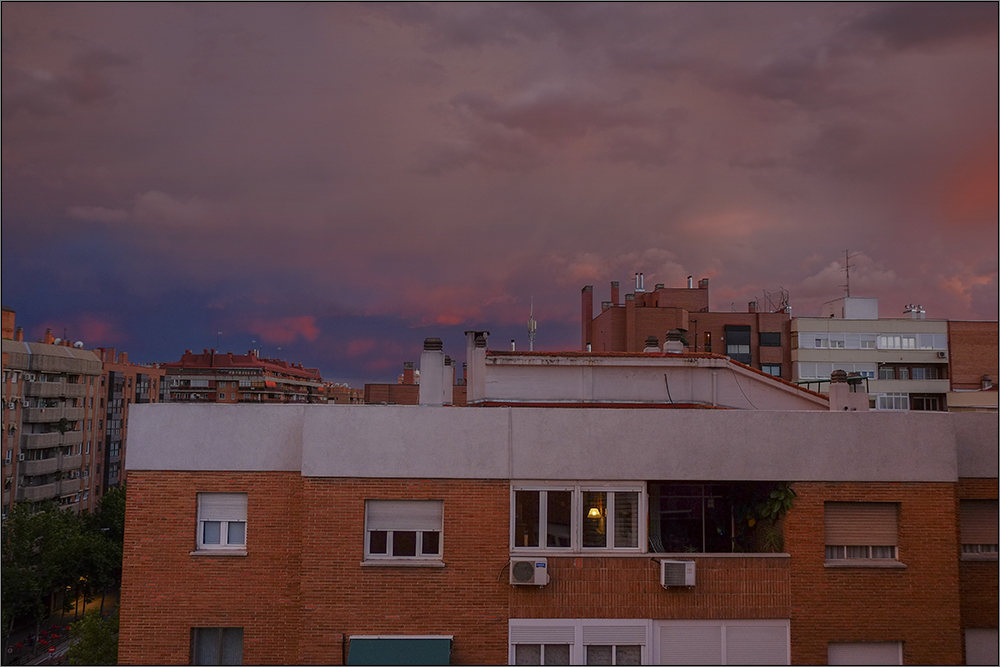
[(578, 517), (579, 641), (897, 341), (892, 401), (858, 531), (222, 521), (403, 529), (979, 520), (216, 646)]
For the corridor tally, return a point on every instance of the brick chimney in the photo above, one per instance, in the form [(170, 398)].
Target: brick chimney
[(614, 292), (408, 374), (586, 315)]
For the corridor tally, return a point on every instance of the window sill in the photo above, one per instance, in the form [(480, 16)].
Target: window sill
[(399, 562), (552, 553), (980, 557), (219, 552), (866, 563)]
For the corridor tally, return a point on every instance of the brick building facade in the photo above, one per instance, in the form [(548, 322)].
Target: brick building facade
[(407, 521)]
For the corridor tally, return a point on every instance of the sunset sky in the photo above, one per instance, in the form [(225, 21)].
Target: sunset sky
[(334, 183)]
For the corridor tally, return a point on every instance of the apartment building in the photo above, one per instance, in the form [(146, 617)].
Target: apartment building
[(758, 337), (558, 535), (65, 417), (904, 360), (214, 377)]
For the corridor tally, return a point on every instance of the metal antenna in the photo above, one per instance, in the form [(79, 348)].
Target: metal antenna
[(847, 269), (532, 326)]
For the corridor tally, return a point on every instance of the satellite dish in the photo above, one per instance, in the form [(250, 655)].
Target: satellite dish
[(57, 341), (78, 344)]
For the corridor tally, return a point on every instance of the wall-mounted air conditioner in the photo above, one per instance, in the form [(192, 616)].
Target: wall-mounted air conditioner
[(12, 405), (20, 457), (676, 573), (942, 354), (529, 571)]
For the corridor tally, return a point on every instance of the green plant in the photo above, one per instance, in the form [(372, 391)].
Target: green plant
[(758, 508)]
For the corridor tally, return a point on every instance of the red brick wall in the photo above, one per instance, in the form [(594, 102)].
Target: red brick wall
[(468, 598), (972, 353), (166, 591), (302, 589), (629, 587), (918, 605)]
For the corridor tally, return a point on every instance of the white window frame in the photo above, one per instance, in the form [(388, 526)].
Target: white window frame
[(577, 514), (418, 526), (892, 401), (224, 509)]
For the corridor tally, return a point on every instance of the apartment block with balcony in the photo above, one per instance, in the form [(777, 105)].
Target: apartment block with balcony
[(214, 377), (47, 410), (903, 361)]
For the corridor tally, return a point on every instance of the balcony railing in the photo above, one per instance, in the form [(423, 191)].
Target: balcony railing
[(54, 439), (55, 389), (51, 465), (47, 415)]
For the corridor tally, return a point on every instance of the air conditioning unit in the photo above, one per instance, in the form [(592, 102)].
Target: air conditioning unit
[(942, 354), (677, 573), (529, 571), (12, 405), (20, 457)]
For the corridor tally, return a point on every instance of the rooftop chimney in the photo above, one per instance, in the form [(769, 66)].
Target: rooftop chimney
[(640, 281), (614, 293), (409, 377), (432, 372), (674, 342), (703, 283), (690, 282), (847, 392), (752, 307), (652, 344), (48, 337), (19, 334)]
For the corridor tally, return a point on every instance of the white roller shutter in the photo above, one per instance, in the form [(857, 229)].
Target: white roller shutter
[(404, 514), (222, 506), (756, 644), (864, 653), (690, 644)]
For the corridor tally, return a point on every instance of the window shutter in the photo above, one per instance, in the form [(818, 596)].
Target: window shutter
[(864, 653), (859, 524), (614, 634), (979, 521), (223, 506), (405, 514), (756, 644), (691, 644), (542, 634)]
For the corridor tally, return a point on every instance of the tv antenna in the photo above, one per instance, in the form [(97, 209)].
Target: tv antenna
[(532, 326), (847, 269)]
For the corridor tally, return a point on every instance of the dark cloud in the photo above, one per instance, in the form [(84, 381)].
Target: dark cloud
[(914, 25), (349, 179)]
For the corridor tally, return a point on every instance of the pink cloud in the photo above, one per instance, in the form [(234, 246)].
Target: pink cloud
[(286, 330)]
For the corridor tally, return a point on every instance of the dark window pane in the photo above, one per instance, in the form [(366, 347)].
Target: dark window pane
[(770, 339), (560, 509), (557, 654), (599, 655), (232, 646), (526, 518), (528, 654), (404, 543), (213, 532), (626, 519), (595, 512), (377, 542), (628, 655), (431, 543)]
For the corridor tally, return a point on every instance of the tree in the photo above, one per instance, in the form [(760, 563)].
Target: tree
[(94, 640)]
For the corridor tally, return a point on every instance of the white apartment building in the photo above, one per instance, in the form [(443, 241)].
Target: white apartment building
[(904, 361)]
